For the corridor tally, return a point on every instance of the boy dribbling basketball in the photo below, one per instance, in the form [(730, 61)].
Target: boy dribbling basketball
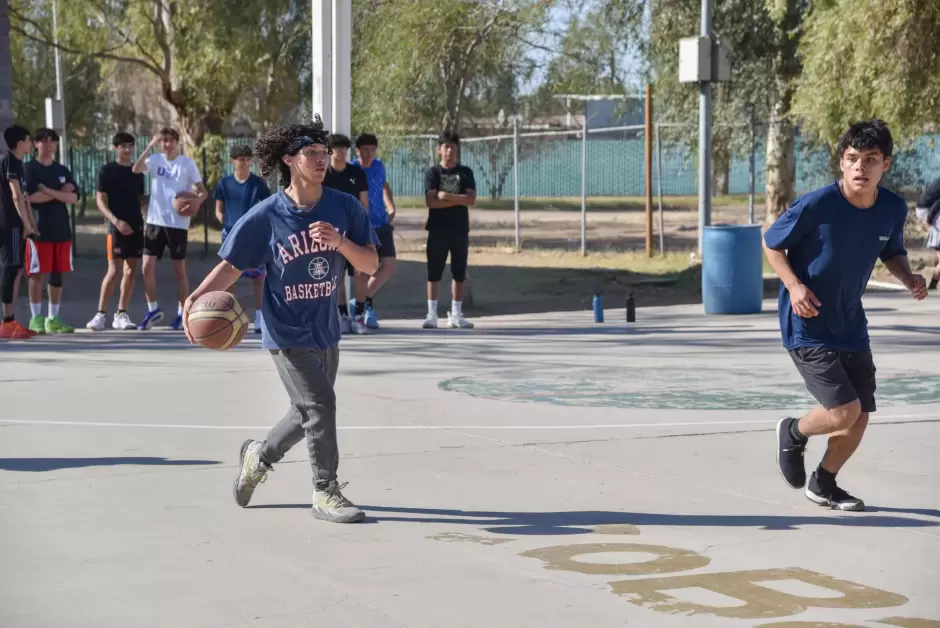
[(303, 238)]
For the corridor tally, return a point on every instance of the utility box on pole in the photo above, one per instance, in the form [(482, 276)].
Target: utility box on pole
[(703, 60), (55, 115)]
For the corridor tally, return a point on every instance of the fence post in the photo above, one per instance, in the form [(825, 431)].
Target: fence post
[(648, 166), (584, 135), (659, 190), (515, 178), (72, 212), (751, 171), (205, 211)]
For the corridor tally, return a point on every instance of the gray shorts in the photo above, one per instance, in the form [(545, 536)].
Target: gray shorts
[(836, 377)]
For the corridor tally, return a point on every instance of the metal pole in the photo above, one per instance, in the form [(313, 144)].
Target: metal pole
[(704, 138), (584, 135), (59, 88), (659, 190), (648, 167), (342, 60), (751, 172), (515, 178), (321, 39)]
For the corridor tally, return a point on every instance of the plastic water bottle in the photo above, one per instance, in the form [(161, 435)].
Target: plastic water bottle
[(598, 308), (631, 309)]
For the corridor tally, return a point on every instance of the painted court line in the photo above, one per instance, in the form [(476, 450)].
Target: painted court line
[(380, 428)]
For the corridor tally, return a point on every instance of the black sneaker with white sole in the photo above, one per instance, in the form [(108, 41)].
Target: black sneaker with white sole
[(832, 496), (790, 454)]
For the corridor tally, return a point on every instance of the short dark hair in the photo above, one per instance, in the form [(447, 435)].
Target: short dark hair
[(14, 135), (43, 134), (240, 150), (338, 140), (869, 135), (287, 140), (367, 139), (122, 138), (170, 132), (448, 137)]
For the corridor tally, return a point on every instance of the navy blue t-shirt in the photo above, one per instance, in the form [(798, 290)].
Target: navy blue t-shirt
[(239, 197), (832, 247), (299, 303)]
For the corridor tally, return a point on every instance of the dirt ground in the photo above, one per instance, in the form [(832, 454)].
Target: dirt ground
[(549, 274)]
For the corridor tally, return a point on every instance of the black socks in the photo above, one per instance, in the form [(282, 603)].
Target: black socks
[(360, 308), (344, 310), (8, 319), (795, 432), (824, 477)]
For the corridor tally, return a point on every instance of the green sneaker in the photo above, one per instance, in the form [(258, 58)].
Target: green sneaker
[(54, 325), (37, 324), (330, 505)]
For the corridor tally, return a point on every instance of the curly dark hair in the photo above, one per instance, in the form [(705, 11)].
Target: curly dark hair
[(273, 145), (871, 134)]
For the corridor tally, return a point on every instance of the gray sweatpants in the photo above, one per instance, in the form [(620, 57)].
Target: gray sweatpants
[(308, 375)]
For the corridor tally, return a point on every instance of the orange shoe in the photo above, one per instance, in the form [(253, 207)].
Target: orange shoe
[(14, 331)]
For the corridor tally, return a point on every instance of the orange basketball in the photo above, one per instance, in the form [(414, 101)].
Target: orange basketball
[(185, 203), (218, 321)]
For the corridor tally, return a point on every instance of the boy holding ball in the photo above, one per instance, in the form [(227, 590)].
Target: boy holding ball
[(303, 237)]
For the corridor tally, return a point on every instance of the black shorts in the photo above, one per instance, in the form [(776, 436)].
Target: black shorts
[(122, 246), (157, 238), (440, 243), (386, 234), (836, 377), (12, 247)]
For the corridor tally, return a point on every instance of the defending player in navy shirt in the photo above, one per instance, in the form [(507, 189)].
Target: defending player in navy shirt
[(824, 248), (302, 237)]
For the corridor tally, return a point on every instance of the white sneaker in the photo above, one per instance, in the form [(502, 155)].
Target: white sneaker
[(123, 322), (430, 321), (457, 321), (359, 326), (345, 324), (97, 323)]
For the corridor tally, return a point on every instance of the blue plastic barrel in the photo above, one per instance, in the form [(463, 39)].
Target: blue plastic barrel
[(732, 269)]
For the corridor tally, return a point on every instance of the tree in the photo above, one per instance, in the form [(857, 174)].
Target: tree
[(203, 55), (746, 29), (422, 64), (891, 72)]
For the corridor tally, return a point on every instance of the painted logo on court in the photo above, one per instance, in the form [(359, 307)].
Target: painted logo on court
[(318, 268)]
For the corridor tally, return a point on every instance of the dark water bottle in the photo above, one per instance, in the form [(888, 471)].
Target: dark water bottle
[(631, 309), (598, 308)]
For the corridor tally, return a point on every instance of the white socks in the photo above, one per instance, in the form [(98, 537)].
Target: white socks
[(54, 310), (35, 308), (257, 319), (152, 306), (432, 307), (457, 308), (179, 309)]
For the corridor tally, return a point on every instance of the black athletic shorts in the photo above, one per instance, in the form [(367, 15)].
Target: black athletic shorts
[(440, 243), (836, 377), (157, 238), (122, 246), (12, 247), (386, 235)]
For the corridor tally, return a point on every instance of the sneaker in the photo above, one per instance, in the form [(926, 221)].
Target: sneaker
[(457, 321), (330, 505), (15, 331), (54, 325), (37, 324), (177, 324), (371, 318), (151, 319), (430, 321), (790, 454), (832, 496), (252, 472), (97, 323), (345, 324), (359, 326), (123, 322)]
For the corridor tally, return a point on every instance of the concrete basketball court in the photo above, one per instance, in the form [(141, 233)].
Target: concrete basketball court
[(536, 471)]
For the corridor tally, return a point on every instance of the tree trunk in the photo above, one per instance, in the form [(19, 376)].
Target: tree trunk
[(721, 167), (781, 164)]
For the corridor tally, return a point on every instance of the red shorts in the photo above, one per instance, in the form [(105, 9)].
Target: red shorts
[(48, 257)]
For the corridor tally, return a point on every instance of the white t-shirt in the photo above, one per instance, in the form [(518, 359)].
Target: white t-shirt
[(167, 179)]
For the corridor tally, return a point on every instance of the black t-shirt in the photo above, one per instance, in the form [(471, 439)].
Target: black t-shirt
[(52, 217), (351, 180), (11, 169), (124, 189), (456, 180)]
